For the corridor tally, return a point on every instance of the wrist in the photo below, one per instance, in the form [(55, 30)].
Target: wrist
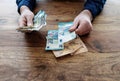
[(23, 8), (88, 14)]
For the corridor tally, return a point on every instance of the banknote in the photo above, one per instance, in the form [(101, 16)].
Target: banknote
[(62, 42), (57, 38), (53, 41), (64, 32), (73, 47), (82, 48), (39, 21)]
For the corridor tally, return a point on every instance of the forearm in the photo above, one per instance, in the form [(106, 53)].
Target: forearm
[(28, 3), (94, 6)]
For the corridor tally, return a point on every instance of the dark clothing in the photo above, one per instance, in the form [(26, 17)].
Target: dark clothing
[(94, 6)]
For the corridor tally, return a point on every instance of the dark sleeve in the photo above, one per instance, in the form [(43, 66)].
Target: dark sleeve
[(94, 6), (29, 3)]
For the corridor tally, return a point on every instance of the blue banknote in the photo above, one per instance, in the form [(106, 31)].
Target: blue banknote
[(64, 33)]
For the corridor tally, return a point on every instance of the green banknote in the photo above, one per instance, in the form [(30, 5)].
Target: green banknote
[(53, 41)]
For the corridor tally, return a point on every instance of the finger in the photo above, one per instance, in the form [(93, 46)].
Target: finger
[(29, 21), (74, 26), (82, 29), (78, 30), (22, 22)]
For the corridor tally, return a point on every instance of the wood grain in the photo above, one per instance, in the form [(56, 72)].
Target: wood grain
[(23, 56)]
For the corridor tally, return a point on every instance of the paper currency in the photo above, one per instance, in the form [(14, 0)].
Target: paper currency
[(53, 41), (73, 47), (64, 32), (39, 21), (56, 38), (62, 42)]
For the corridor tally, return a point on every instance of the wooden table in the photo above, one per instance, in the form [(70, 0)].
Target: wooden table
[(23, 56)]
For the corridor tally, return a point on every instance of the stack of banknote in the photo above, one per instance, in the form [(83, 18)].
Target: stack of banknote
[(62, 42), (57, 38), (38, 22)]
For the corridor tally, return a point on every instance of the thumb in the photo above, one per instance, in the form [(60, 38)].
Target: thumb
[(73, 27), (30, 21)]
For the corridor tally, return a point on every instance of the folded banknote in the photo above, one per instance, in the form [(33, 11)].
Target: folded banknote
[(38, 22)]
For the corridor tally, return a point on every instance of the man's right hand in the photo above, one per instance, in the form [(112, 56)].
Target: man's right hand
[(26, 17)]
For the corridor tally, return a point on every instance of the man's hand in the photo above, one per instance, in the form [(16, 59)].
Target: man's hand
[(82, 23), (26, 17)]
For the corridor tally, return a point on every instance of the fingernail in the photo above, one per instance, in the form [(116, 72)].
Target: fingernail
[(30, 24)]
